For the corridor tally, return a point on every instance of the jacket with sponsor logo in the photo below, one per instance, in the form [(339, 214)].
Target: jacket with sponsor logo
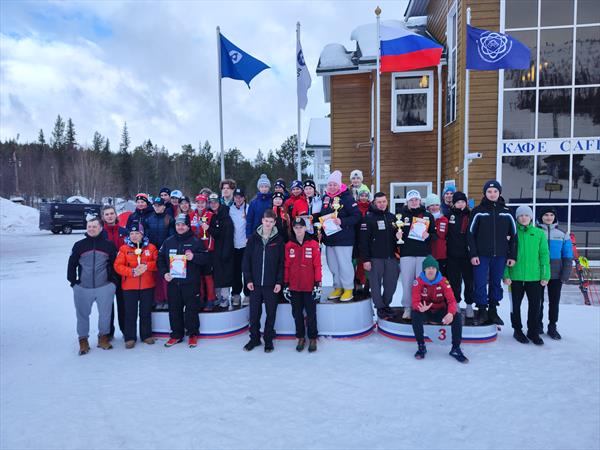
[(179, 244), (415, 247), (127, 260), (437, 292), (302, 264), (458, 228), (377, 236), (492, 230), (91, 262), (561, 252), (348, 213), (263, 259), (296, 206), (438, 244)]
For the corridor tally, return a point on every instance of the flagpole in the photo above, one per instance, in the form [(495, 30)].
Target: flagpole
[(378, 107), (220, 104), (298, 140), (466, 137)]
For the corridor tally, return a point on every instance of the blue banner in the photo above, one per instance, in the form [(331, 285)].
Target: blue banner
[(237, 64), (490, 50)]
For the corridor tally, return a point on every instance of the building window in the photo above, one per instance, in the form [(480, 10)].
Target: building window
[(519, 114), (398, 193), (412, 101), (521, 13), (452, 61), (519, 170)]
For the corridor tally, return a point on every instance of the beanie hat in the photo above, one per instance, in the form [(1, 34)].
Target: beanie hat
[(136, 225), (201, 198), (458, 196), (263, 181), (280, 182), (524, 210), (310, 183), (297, 184), (142, 196), (430, 261), (356, 174), (413, 193), (277, 195), (432, 199), (547, 209), (176, 194), (165, 189), (450, 188), (335, 177), (183, 218), (363, 189), (492, 184), (185, 198), (158, 201)]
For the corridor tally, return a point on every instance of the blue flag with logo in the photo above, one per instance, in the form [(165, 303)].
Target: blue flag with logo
[(490, 50), (237, 64)]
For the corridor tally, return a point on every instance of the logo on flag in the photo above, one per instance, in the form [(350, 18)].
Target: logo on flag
[(491, 50), (235, 56), (302, 76), (237, 64), (493, 46)]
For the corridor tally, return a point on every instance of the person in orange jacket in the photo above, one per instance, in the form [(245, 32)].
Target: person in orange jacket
[(302, 278), (136, 263)]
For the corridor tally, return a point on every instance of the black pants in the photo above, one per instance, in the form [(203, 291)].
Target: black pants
[(460, 270), (418, 318), (184, 297), (145, 299), (303, 301), (238, 284), (120, 311), (260, 295), (533, 289), (443, 266), (554, 288)]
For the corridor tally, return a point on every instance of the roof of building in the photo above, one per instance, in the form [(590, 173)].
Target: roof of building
[(319, 132), (416, 8)]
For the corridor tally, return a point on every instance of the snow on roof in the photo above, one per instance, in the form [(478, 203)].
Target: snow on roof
[(319, 132), (366, 37), (335, 56), (78, 199)]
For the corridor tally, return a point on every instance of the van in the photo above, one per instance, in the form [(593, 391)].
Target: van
[(66, 217)]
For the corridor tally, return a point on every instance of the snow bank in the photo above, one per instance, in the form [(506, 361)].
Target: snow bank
[(16, 218), (335, 56), (78, 199)]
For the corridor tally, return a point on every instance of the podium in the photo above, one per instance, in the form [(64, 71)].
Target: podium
[(213, 325)]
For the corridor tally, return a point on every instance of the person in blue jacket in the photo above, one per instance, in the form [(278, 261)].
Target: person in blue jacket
[(258, 205), (561, 263)]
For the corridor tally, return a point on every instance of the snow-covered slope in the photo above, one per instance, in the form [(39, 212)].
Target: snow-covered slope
[(17, 218)]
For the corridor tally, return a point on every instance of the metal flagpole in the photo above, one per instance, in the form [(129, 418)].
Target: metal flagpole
[(378, 106), (298, 140), (220, 104), (466, 137)]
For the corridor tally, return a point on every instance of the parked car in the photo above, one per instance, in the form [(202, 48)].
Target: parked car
[(66, 217)]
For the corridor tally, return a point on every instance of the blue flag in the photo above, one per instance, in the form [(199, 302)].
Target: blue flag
[(237, 64), (490, 50)]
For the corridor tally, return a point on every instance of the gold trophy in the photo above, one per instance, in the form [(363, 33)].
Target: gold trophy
[(336, 206), (138, 252), (204, 219), (399, 224), (317, 226)]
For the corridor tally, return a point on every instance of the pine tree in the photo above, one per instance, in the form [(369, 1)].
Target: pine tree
[(58, 134), (41, 138), (70, 137), (106, 148), (125, 142), (97, 142)]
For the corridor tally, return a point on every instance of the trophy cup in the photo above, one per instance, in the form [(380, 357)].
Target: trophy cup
[(317, 226), (204, 219), (336, 206), (138, 252), (399, 224)]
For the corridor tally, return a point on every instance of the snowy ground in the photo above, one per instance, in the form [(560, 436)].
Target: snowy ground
[(369, 393)]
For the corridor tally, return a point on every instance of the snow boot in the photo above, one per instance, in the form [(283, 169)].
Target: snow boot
[(520, 337), (171, 342), (335, 294), (301, 344), (553, 333), (269, 346), (347, 295), (385, 313), (312, 345), (251, 345), (129, 345), (469, 313), (84, 346), (481, 317), (535, 338), (493, 316), (457, 354), (104, 342), (149, 341), (422, 350)]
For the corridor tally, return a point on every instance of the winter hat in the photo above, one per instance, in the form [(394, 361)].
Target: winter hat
[(176, 194), (524, 210), (430, 261), (201, 198), (299, 222), (297, 184), (413, 193), (280, 182), (547, 209), (239, 192), (136, 225), (363, 189), (165, 189), (158, 201), (263, 181), (458, 196), (450, 188), (310, 183), (183, 218), (213, 198), (356, 174), (185, 198), (492, 184), (277, 195), (335, 177), (142, 196), (432, 199)]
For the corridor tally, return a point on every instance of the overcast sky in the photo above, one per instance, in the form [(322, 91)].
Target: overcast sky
[(154, 65)]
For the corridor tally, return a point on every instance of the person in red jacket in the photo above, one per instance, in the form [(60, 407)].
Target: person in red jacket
[(136, 263), (282, 221), (438, 245), (433, 300), (302, 276), (296, 205), (200, 222)]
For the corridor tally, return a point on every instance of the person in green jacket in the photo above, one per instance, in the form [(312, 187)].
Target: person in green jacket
[(530, 273)]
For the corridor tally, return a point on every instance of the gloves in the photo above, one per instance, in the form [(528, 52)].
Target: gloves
[(317, 292)]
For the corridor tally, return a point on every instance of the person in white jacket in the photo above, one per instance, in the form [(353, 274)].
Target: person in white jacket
[(238, 211)]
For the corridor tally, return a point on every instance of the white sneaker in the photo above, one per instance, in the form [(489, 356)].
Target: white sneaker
[(406, 314), (469, 312), (245, 301), (236, 300)]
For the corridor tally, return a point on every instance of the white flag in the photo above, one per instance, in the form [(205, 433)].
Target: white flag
[(303, 76)]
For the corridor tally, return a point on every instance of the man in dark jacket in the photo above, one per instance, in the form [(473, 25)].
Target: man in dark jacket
[(258, 205), (221, 230), (492, 246), (142, 210), (263, 268), (165, 194), (159, 226), (91, 275), (179, 261), (377, 245)]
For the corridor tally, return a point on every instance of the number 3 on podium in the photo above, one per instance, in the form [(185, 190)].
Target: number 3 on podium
[(442, 335)]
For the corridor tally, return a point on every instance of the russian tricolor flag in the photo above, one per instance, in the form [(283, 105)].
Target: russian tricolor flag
[(403, 50)]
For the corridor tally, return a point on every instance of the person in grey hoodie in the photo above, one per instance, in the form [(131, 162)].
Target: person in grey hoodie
[(91, 275)]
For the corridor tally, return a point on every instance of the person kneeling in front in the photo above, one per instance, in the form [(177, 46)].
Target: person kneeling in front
[(263, 274), (433, 300)]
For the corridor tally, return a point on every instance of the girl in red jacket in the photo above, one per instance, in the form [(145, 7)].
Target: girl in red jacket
[(136, 263), (438, 244), (296, 205), (302, 276), (199, 223)]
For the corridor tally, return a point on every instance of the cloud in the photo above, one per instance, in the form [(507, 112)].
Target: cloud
[(154, 64)]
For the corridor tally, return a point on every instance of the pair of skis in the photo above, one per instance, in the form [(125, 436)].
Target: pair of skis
[(585, 276)]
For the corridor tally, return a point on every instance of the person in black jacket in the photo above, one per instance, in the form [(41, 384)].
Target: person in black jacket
[(377, 245), (492, 246), (459, 266), (183, 291), (263, 273), (416, 245), (221, 229), (159, 226), (143, 210)]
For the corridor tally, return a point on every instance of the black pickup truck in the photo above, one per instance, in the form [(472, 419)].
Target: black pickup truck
[(66, 217)]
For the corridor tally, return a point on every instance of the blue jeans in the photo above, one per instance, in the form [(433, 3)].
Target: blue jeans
[(489, 271)]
